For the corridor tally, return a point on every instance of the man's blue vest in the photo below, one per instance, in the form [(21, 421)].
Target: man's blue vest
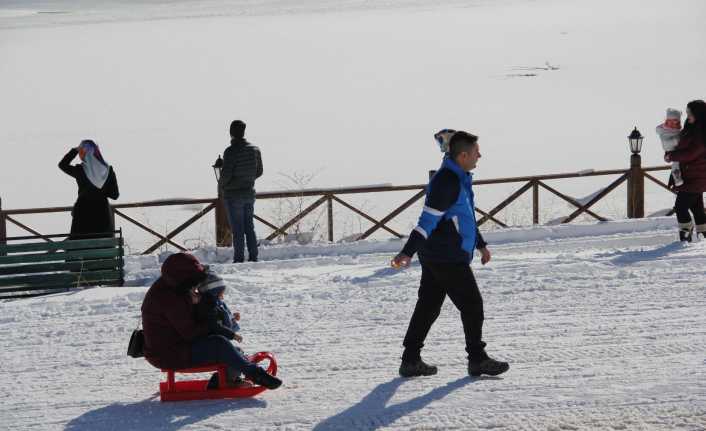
[(461, 213)]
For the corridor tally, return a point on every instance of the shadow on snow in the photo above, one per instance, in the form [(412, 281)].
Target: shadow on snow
[(380, 273), (372, 412), (151, 415), (630, 257)]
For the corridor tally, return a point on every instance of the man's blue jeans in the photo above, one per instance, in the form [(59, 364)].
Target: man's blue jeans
[(214, 349), (240, 216)]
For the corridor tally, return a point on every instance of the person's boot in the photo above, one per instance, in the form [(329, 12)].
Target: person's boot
[(239, 382), (685, 235), (488, 366), (213, 382), (262, 378), (701, 231), (416, 367)]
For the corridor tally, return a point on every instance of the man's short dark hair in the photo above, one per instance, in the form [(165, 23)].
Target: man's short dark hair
[(460, 142), (237, 129)]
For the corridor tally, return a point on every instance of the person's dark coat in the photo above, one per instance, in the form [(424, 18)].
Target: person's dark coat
[(242, 165), (168, 313), (91, 212), (691, 155)]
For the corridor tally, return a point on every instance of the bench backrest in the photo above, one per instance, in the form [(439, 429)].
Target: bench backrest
[(32, 266)]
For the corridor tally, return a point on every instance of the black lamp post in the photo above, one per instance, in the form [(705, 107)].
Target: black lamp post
[(635, 140), (217, 167), (636, 177), (223, 236)]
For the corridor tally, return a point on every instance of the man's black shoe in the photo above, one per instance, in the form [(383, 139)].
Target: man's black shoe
[(416, 368), (685, 235), (262, 378), (487, 366)]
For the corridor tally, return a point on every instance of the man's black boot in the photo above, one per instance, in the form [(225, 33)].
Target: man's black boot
[(701, 231), (416, 367), (486, 365), (685, 235)]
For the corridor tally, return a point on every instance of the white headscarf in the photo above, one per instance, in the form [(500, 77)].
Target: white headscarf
[(94, 166), (443, 139)]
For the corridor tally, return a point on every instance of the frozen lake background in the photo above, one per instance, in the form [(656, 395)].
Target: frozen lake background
[(348, 91)]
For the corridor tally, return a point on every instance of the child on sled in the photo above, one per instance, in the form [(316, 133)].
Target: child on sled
[(212, 309)]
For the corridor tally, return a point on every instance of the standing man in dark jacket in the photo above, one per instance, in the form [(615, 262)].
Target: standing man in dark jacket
[(242, 165), (446, 237)]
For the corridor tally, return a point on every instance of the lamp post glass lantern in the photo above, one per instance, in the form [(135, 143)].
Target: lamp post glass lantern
[(217, 167), (635, 139)]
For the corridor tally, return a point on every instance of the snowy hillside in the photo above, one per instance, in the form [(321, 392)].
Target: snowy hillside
[(604, 328)]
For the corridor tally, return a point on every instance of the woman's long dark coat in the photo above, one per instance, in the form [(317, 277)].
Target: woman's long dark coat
[(91, 213)]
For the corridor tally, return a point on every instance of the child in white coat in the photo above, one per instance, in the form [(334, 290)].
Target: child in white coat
[(669, 132)]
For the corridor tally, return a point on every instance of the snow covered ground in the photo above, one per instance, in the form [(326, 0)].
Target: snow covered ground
[(604, 327)]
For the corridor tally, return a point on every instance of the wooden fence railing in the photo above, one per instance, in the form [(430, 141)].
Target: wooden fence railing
[(635, 177)]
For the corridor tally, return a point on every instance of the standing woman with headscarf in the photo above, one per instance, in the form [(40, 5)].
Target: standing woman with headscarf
[(691, 155), (96, 181)]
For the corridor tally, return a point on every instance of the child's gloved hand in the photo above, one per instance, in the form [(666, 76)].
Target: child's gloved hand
[(236, 316), (238, 338)]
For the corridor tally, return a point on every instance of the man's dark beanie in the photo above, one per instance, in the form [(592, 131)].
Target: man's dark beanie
[(237, 129)]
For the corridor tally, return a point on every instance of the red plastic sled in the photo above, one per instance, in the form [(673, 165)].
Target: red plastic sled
[(172, 390)]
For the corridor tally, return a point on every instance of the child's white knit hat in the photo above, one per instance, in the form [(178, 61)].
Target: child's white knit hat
[(673, 114)]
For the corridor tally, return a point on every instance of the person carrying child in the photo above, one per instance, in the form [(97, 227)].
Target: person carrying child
[(691, 155)]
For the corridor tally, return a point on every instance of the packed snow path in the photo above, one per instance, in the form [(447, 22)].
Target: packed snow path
[(601, 333)]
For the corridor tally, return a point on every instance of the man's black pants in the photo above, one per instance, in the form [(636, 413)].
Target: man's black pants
[(439, 280)]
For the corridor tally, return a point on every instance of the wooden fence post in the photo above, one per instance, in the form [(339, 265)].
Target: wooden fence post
[(223, 235), (3, 227), (535, 202), (636, 188), (330, 218)]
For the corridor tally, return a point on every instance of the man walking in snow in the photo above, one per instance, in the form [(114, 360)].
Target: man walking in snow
[(242, 165), (445, 238)]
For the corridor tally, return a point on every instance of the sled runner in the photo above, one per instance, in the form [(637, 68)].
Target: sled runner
[(172, 390)]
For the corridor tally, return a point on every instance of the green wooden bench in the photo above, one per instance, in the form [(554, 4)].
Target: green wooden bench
[(32, 266)]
